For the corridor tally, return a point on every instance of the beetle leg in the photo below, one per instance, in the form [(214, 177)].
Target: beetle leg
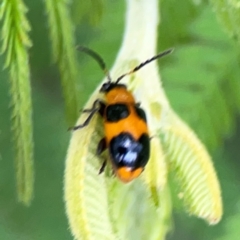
[(94, 106), (102, 145), (100, 109), (138, 104), (150, 138), (102, 167), (86, 121), (97, 104)]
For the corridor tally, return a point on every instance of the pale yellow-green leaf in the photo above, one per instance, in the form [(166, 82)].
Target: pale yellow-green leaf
[(155, 173), (134, 214), (86, 194), (193, 167)]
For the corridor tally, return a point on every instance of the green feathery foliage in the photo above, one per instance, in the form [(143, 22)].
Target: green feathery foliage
[(207, 87), (64, 53), (201, 79), (231, 228), (15, 46), (173, 33), (92, 10), (228, 13)]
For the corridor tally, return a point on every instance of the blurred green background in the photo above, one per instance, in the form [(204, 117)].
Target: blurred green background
[(201, 79)]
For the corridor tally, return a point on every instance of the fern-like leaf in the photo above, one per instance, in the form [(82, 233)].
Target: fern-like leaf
[(228, 13), (15, 45), (92, 9), (64, 53), (206, 87)]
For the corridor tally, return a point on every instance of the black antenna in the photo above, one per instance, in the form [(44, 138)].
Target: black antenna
[(98, 58), (162, 54)]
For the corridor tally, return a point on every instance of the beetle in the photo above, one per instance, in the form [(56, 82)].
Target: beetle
[(125, 123)]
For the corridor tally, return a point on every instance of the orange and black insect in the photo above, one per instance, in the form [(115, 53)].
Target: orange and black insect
[(125, 124)]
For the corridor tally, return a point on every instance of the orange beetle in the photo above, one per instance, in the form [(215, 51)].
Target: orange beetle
[(125, 124)]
